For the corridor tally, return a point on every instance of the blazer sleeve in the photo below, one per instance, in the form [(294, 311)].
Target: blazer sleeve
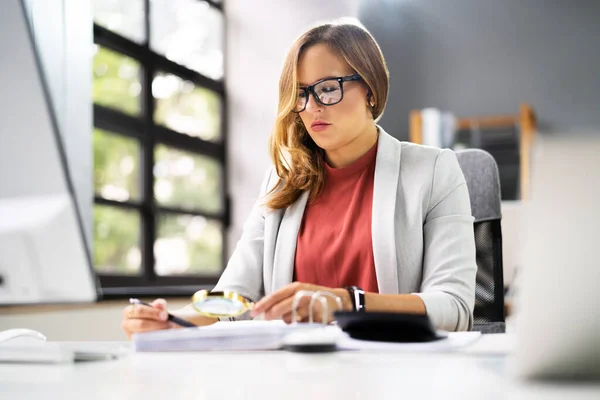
[(449, 266), (244, 271)]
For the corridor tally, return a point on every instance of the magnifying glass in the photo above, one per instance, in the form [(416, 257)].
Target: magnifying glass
[(231, 304), (220, 304)]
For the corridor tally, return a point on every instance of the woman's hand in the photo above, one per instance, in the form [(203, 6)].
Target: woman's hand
[(140, 318), (278, 305)]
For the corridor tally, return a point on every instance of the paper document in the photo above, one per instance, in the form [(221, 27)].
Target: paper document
[(270, 335), (221, 336)]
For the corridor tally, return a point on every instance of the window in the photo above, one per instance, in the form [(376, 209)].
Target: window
[(161, 210)]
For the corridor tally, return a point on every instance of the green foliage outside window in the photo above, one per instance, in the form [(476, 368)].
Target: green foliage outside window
[(185, 244)]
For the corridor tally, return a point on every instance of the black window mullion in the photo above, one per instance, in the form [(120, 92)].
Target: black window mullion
[(226, 198), (148, 202), (117, 122), (224, 129), (123, 283), (165, 65), (131, 205), (147, 28), (187, 143), (175, 210), (118, 43)]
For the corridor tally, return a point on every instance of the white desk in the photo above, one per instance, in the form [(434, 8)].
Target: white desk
[(284, 375)]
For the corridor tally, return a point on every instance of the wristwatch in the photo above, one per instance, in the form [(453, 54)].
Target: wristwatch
[(357, 295)]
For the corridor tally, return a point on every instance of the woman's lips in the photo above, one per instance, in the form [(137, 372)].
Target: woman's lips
[(318, 126)]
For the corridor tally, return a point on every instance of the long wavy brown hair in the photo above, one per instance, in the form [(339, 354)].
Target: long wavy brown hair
[(297, 158)]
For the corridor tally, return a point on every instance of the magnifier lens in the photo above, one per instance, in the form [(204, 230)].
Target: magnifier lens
[(220, 304), (220, 307)]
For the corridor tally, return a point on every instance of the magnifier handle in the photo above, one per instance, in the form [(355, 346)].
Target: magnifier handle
[(180, 321)]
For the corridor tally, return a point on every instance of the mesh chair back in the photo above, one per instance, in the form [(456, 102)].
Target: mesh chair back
[(481, 173)]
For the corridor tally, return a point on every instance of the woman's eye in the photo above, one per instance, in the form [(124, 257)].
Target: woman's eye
[(329, 89)]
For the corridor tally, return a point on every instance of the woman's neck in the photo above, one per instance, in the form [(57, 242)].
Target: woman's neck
[(351, 152)]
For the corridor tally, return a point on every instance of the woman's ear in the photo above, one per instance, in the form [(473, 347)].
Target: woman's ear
[(370, 100)]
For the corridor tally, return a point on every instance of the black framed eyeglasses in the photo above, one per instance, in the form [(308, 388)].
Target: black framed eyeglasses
[(327, 92)]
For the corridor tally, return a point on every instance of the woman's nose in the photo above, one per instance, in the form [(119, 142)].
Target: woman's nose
[(312, 104)]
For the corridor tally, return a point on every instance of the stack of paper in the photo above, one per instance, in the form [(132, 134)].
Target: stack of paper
[(222, 336), (271, 335)]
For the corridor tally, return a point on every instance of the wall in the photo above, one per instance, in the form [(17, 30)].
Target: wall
[(259, 33), (63, 34), (479, 57)]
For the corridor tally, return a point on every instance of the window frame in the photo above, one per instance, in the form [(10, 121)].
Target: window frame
[(148, 134)]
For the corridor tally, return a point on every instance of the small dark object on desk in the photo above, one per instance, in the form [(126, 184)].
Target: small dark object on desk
[(387, 327)]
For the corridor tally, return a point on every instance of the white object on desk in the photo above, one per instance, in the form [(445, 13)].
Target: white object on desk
[(29, 346), (54, 353), (16, 335), (558, 318), (41, 352)]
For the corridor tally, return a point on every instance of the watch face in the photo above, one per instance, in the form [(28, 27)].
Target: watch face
[(358, 298)]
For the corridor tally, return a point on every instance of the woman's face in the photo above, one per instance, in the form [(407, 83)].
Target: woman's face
[(336, 126)]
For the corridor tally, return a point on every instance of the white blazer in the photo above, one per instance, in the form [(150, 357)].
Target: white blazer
[(422, 234)]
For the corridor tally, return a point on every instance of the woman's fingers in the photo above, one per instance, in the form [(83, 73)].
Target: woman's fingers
[(301, 316), (280, 309), (283, 309), (303, 312), (136, 311), (142, 318), (267, 302), (160, 303)]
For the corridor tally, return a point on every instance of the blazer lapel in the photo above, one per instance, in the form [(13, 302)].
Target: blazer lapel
[(285, 247), (387, 170)]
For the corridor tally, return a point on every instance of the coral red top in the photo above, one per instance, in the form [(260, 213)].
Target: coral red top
[(334, 246)]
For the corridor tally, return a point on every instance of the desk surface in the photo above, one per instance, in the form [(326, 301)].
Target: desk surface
[(481, 374)]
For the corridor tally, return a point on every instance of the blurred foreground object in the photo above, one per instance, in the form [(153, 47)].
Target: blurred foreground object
[(558, 313)]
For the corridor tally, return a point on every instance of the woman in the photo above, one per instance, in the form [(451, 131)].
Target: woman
[(347, 208)]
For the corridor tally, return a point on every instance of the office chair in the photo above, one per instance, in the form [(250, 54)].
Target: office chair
[(481, 173)]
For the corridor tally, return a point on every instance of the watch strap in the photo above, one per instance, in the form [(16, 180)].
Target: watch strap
[(357, 296)]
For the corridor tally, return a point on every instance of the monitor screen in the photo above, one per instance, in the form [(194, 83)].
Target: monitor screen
[(43, 252)]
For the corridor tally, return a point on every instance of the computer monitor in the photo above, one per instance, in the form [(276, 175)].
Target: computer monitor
[(43, 253), (558, 292)]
